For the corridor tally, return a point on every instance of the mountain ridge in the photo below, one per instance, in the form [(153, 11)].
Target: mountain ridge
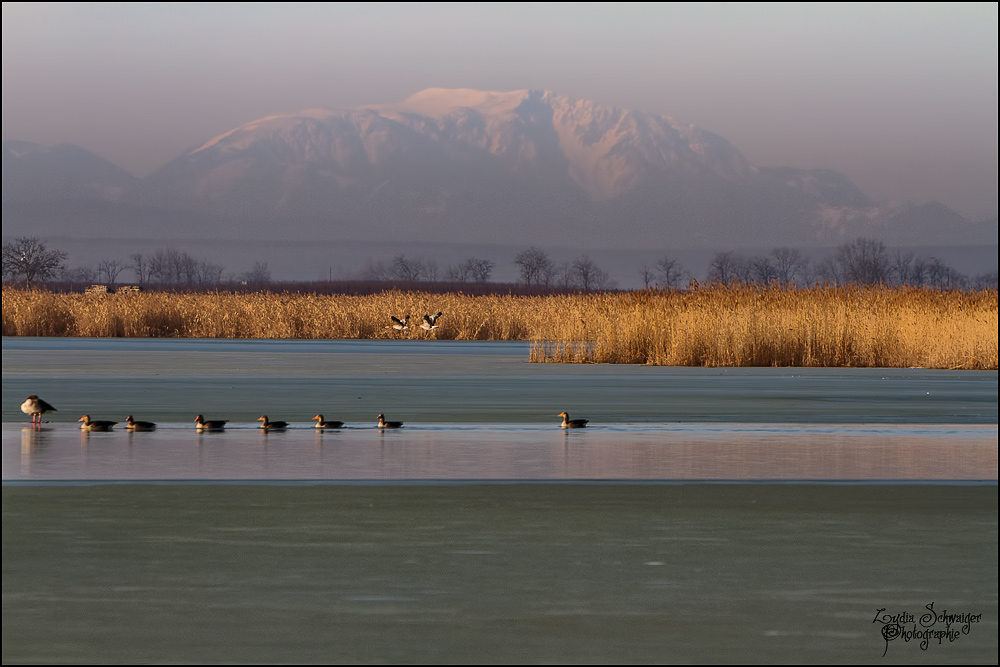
[(486, 166)]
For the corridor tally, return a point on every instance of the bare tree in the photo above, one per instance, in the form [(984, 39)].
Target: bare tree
[(562, 276), (902, 267), (943, 276), (209, 273), (187, 268), (983, 281), (670, 270), (259, 275), (374, 270), (406, 269), (535, 267), (141, 267), (471, 270), (726, 267), (865, 262), (28, 258), (919, 272), (480, 269), (647, 274), (828, 271), (78, 274), (584, 273), (789, 265), (430, 269), (457, 273), (163, 266), (170, 266), (109, 270), (762, 270)]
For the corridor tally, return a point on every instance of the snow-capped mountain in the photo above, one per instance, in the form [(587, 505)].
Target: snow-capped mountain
[(603, 152), (500, 167), (448, 164)]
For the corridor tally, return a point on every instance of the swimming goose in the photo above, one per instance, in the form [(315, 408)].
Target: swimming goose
[(322, 423), (216, 425), (382, 423), (35, 407), (400, 324), (572, 423), (133, 425), (429, 322), (99, 425), (269, 425)]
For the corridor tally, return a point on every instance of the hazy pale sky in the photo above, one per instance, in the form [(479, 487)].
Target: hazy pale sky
[(900, 97)]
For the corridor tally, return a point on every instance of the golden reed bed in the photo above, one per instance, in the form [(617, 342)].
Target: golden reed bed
[(704, 326)]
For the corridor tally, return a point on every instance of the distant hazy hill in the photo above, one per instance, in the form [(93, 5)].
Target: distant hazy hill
[(934, 224), (32, 172), (487, 167)]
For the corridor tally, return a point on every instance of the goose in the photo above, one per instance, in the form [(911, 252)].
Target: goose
[(429, 321), (133, 425), (216, 425), (400, 324), (322, 423), (572, 423), (269, 425), (35, 407), (91, 425), (382, 423)]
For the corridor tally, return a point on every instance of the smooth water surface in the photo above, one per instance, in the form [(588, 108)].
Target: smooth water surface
[(705, 515)]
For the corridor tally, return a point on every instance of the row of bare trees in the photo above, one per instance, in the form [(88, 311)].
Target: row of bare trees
[(29, 259), (536, 269), (414, 269), (862, 261)]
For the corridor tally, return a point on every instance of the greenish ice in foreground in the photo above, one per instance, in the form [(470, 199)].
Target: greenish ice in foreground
[(510, 573)]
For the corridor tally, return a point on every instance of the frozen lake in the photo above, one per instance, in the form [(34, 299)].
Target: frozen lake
[(705, 515)]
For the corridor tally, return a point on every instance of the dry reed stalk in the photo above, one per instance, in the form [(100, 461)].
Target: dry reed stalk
[(705, 326)]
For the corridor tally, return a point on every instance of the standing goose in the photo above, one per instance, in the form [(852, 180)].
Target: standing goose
[(269, 425), (382, 423), (133, 425), (215, 425), (572, 423), (91, 425), (36, 407), (322, 423), (429, 321)]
